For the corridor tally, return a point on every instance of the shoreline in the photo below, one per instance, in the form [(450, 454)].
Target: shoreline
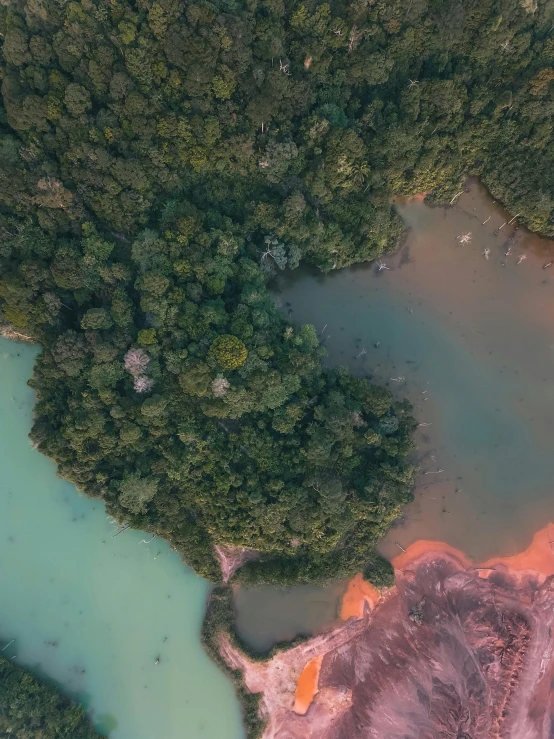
[(290, 685), (358, 605), (7, 331), (535, 559)]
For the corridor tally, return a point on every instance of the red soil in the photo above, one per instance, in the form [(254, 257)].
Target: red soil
[(538, 557), (455, 650), (358, 594)]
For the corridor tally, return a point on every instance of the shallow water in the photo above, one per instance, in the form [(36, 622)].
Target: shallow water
[(92, 610), (470, 341), (267, 615)]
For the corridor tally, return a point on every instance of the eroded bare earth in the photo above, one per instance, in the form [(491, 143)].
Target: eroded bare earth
[(231, 558), (454, 651)]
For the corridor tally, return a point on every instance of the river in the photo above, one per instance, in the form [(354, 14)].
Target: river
[(467, 334), (92, 610)]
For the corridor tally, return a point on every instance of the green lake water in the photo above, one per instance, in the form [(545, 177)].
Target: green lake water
[(94, 611)]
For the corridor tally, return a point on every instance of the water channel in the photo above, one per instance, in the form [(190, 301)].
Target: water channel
[(94, 610)]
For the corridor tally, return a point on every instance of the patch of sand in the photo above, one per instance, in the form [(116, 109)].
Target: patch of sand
[(538, 557), (358, 593), (231, 558), (426, 546)]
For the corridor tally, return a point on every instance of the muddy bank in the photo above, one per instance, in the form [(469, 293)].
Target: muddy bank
[(231, 558), (10, 332), (453, 650)]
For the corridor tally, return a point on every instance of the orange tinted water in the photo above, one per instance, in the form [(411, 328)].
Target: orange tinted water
[(359, 593), (537, 557), (307, 687)]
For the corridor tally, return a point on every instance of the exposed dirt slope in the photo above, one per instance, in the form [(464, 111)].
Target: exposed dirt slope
[(454, 651)]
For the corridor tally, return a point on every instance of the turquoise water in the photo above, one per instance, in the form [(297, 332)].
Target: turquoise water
[(469, 340), (95, 611)]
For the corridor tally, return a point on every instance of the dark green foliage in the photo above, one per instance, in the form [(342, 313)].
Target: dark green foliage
[(206, 417), (30, 709), (379, 572), (160, 161)]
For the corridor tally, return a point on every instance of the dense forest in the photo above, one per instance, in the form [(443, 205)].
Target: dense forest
[(30, 709), (161, 161)]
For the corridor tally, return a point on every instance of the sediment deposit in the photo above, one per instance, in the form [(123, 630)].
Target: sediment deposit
[(455, 651)]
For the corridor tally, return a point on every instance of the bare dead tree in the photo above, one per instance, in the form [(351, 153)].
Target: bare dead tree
[(284, 68), (353, 39)]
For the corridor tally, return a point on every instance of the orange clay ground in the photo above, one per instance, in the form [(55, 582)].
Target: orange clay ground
[(538, 557), (306, 687), (358, 593)]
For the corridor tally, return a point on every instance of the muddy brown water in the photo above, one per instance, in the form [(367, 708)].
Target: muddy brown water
[(467, 334)]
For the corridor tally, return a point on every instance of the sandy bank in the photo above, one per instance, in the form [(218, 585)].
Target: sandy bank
[(307, 685)]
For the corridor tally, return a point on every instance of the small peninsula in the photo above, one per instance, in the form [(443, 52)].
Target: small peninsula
[(31, 709)]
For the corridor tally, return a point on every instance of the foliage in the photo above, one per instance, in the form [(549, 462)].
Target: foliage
[(160, 161), (219, 620), (30, 709), (229, 351), (380, 572)]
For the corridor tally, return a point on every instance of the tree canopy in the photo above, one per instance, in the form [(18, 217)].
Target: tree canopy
[(161, 160), (30, 709)]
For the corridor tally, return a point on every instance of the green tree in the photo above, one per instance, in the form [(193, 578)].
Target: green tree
[(229, 351)]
